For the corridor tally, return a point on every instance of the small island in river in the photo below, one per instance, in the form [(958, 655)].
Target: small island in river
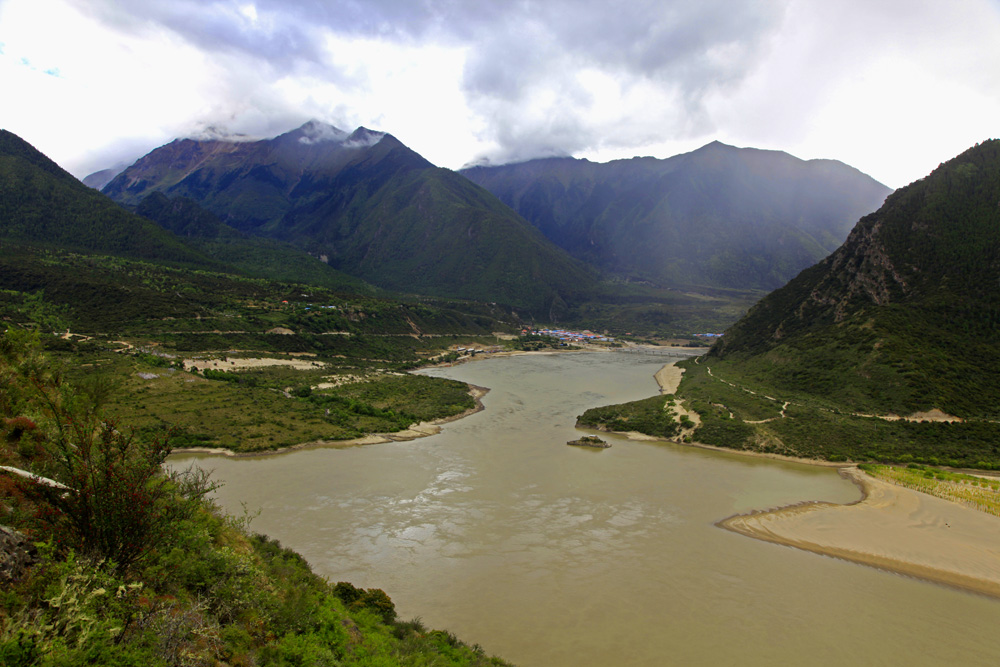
[(589, 441)]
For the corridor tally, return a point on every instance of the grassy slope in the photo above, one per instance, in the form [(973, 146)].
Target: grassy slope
[(42, 204), (902, 319), (431, 231), (258, 257), (904, 316), (755, 418)]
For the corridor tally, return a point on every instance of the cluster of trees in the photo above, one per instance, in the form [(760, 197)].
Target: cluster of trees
[(646, 416)]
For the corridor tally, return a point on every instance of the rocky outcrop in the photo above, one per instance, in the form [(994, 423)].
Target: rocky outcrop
[(589, 441), (17, 554)]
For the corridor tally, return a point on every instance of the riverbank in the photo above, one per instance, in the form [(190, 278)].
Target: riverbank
[(890, 527)]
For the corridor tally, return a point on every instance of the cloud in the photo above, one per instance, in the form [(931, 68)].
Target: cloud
[(456, 80), (529, 67), (315, 132)]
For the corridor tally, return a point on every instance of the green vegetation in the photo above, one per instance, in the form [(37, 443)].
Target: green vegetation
[(44, 205), (266, 408), (812, 426), (847, 361), (627, 309), (100, 294), (903, 317), (135, 567), (648, 416), (589, 441), (754, 418), (535, 342), (257, 257), (99, 268), (173, 313), (379, 212), (977, 492)]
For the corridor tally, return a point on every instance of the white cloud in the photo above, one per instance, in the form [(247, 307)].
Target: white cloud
[(893, 87)]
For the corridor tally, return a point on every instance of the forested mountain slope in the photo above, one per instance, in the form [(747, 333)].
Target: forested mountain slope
[(42, 204), (371, 207), (888, 350), (905, 316), (722, 216)]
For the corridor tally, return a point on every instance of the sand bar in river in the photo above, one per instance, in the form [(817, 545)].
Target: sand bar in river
[(892, 528)]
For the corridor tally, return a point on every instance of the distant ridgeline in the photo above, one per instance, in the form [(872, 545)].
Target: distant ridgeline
[(719, 216), (889, 349), (41, 204)]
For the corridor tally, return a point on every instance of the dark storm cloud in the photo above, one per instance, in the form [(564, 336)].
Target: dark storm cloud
[(515, 50), (683, 49)]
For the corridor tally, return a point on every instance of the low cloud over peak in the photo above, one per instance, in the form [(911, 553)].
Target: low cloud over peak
[(456, 81)]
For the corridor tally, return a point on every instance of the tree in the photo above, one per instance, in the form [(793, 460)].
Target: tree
[(99, 489)]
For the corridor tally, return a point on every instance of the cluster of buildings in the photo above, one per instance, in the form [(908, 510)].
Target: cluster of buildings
[(570, 336)]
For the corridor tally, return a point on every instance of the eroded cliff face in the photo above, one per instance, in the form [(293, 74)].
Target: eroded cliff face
[(860, 270), (932, 249)]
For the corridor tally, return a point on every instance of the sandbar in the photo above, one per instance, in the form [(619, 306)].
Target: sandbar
[(891, 528), (669, 378)]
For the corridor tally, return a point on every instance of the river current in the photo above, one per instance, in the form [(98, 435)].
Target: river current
[(552, 555)]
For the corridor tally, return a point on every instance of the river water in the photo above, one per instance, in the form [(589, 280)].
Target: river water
[(547, 554)]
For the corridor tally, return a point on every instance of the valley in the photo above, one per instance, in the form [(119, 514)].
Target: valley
[(304, 305)]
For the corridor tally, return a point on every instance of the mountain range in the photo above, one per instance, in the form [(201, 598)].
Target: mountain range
[(718, 216), (371, 207), (40, 203), (44, 206)]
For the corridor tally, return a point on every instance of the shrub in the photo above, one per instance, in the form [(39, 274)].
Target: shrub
[(120, 503), (108, 496)]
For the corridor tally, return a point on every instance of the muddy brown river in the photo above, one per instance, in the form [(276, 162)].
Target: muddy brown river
[(551, 555)]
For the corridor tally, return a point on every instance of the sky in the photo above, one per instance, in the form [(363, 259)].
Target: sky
[(891, 87)]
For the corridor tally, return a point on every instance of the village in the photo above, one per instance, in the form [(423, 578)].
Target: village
[(568, 336)]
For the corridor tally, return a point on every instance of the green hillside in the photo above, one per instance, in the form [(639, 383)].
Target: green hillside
[(111, 560), (905, 316), (44, 205), (887, 350), (253, 256)]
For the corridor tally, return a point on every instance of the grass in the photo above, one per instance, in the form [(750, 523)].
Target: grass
[(809, 427), (977, 492), (646, 416), (266, 408)]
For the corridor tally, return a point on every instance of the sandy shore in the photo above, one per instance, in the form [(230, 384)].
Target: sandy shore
[(891, 528), (669, 378)]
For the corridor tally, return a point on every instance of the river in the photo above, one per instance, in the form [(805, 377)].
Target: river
[(552, 555)]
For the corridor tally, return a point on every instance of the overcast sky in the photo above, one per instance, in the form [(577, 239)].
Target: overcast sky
[(892, 87)]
